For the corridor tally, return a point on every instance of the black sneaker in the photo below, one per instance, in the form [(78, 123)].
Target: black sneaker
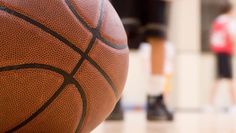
[(157, 110), (117, 114)]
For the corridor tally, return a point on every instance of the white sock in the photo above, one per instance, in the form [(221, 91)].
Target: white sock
[(156, 85)]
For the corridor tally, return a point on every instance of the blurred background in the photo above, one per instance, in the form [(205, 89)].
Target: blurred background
[(190, 22)]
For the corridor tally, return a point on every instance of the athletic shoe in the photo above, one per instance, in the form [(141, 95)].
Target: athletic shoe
[(117, 114), (157, 110)]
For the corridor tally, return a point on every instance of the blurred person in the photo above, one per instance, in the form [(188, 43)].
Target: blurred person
[(223, 33), (146, 20)]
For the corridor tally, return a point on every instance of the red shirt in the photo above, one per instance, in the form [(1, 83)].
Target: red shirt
[(221, 40)]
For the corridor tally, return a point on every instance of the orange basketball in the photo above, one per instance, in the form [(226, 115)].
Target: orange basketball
[(63, 64)]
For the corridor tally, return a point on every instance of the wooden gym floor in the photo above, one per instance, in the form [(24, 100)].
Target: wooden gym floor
[(184, 123)]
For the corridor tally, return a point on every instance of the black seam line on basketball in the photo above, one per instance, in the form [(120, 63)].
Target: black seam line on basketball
[(94, 31), (62, 39), (40, 110), (105, 76), (91, 44), (82, 58), (42, 27), (68, 80), (96, 34)]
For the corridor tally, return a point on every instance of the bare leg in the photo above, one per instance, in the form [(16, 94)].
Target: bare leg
[(232, 91), (157, 55), (156, 107), (157, 66), (213, 91)]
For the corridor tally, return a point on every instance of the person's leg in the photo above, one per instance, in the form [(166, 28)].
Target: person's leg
[(229, 76), (157, 55), (209, 108), (157, 66), (155, 31), (232, 91), (213, 91), (156, 35), (157, 109), (220, 71)]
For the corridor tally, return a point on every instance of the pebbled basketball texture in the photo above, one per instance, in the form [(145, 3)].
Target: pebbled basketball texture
[(63, 65)]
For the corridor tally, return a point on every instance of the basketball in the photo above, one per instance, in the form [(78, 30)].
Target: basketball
[(63, 65)]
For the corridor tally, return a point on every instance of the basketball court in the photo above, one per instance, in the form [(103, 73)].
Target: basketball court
[(193, 76)]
